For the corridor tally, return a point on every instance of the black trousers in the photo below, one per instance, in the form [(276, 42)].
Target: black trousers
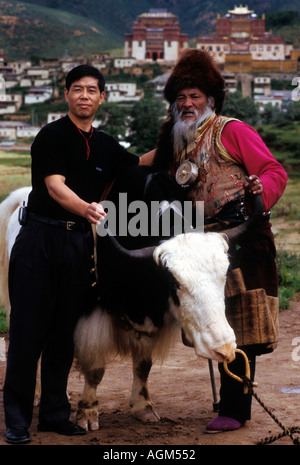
[(50, 286), (233, 402)]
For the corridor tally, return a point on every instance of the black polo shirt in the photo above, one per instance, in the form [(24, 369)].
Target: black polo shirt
[(87, 161)]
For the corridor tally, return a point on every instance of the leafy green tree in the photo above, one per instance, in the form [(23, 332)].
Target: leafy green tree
[(293, 111), (243, 108), (146, 118), (114, 120), (272, 114)]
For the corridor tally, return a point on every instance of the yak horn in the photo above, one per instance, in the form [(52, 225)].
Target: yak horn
[(255, 217), (136, 253)]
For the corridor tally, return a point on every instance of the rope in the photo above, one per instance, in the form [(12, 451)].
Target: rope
[(286, 431), (248, 387)]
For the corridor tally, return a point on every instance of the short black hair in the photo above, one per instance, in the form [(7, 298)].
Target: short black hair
[(85, 70)]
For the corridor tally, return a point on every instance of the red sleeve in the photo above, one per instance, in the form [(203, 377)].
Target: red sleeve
[(245, 145)]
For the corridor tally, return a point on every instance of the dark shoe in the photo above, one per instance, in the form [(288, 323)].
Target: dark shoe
[(65, 427), (17, 435)]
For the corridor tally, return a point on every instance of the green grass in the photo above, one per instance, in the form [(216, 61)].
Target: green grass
[(23, 161), (10, 182), (289, 277), (3, 325), (288, 205), (283, 140)]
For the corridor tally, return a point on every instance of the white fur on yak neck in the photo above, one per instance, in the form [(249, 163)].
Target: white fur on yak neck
[(199, 262)]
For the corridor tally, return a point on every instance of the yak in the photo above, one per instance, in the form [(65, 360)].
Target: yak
[(150, 291)]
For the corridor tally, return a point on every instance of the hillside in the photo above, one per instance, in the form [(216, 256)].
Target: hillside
[(196, 16), (28, 30), (50, 28)]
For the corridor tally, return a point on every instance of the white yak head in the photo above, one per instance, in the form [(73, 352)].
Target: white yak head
[(199, 262)]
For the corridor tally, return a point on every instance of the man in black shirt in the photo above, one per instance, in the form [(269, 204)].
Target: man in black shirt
[(50, 279)]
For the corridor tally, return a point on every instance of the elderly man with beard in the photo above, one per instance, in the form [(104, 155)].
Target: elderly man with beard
[(224, 162)]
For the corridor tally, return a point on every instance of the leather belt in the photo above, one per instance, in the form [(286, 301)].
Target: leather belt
[(67, 225)]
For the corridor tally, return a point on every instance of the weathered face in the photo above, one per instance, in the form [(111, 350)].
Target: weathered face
[(191, 103), (199, 262)]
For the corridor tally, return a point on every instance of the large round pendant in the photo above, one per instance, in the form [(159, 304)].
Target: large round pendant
[(186, 173)]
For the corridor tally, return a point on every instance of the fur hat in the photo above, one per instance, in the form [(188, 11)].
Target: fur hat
[(196, 68)]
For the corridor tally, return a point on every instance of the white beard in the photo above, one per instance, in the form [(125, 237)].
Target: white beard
[(183, 132)]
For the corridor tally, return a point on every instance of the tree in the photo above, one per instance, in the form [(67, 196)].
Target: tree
[(243, 108), (289, 112), (146, 118), (272, 114), (115, 120), (293, 111)]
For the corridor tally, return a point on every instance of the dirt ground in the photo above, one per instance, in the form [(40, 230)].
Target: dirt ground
[(182, 393)]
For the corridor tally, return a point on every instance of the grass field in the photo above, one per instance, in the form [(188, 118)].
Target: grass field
[(286, 227), (14, 172), (286, 217)]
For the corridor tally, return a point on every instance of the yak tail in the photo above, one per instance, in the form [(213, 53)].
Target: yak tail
[(94, 340), (7, 208)]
